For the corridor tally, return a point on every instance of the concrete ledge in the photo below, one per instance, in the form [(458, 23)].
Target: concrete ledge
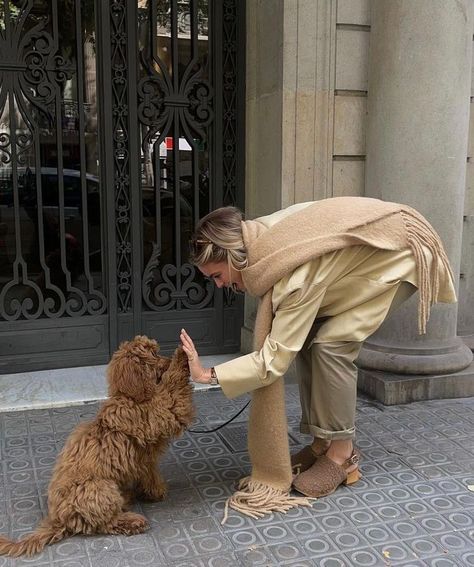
[(393, 389), (69, 386)]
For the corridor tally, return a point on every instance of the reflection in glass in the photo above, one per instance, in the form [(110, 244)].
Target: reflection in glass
[(50, 193), (175, 112)]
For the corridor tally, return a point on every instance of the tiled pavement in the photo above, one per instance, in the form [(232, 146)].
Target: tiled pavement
[(413, 505)]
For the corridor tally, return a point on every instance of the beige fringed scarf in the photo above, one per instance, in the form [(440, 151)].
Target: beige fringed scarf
[(275, 250)]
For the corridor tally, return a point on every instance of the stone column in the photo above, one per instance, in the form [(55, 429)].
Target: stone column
[(418, 116), (289, 109)]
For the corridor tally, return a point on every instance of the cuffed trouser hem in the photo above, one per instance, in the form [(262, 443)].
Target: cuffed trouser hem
[(328, 388), (315, 431)]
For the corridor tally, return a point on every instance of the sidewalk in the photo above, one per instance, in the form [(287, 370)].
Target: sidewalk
[(414, 505)]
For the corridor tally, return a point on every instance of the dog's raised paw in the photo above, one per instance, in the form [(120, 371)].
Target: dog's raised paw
[(180, 357)]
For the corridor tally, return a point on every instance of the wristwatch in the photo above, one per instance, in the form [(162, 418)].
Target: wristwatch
[(214, 381)]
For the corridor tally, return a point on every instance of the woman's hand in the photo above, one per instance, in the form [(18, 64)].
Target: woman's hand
[(198, 373)]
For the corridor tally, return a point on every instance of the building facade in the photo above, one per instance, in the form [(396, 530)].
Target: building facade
[(372, 98), (122, 122)]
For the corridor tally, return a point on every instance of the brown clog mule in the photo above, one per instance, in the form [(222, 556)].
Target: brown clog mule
[(324, 476)]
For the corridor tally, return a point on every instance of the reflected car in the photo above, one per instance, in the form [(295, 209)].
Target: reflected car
[(72, 183)]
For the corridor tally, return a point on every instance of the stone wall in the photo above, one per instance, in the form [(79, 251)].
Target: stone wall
[(466, 281), (352, 36), (307, 76)]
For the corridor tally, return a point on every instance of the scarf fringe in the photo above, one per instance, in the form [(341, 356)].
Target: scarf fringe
[(420, 234), (255, 499)]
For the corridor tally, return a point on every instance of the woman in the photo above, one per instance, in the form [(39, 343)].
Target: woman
[(328, 274)]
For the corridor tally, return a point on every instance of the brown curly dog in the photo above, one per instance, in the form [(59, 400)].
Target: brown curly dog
[(106, 460)]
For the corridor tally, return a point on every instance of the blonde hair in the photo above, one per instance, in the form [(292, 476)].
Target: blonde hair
[(218, 238)]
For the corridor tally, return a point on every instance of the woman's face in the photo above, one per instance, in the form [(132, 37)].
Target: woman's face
[(220, 274)]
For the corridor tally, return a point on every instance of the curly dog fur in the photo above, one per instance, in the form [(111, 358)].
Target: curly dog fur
[(107, 460)]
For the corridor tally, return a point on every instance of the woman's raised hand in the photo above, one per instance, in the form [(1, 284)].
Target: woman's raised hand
[(196, 369)]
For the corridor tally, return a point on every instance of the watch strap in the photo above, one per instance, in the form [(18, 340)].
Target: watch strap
[(214, 381)]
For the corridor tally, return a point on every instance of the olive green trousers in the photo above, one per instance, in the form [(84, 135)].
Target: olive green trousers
[(327, 378)]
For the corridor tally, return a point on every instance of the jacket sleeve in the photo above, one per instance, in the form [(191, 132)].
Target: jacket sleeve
[(295, 313)]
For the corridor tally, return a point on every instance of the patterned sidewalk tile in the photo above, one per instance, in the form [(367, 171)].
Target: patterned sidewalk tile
[(414, 505)]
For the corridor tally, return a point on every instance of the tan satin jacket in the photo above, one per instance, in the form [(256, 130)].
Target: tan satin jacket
[(353, 286)]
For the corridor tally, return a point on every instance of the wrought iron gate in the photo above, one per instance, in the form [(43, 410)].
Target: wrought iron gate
[(120, 126)]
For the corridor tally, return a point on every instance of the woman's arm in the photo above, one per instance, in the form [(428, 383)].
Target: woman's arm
[(291, 324)]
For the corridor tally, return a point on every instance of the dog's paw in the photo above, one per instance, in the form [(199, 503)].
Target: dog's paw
[(180, 358), (178, 371), (154, 494), (127, 523)]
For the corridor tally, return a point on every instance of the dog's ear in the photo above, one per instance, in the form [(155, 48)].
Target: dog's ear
[(132, 370)]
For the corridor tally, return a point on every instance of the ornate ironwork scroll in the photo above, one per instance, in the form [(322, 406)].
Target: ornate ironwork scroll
[(229, 118), (46, 268), (118, 11), (229, 91), (176, 113)]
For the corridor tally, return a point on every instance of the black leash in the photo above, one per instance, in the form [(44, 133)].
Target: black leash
[(222, 424)]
